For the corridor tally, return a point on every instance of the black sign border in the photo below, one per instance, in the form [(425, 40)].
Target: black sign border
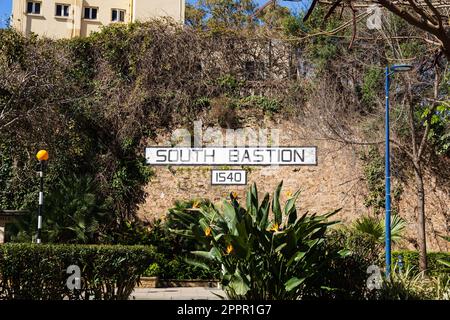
[(233, 165), (232, 184)]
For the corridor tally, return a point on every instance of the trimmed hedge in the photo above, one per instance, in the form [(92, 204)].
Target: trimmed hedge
[(411, 258), (178, 269), (39, 272)]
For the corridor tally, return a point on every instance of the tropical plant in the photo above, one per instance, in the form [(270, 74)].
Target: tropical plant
[(376, 228), (73, 213), (264, 251), (182, 216), (436, 261), (412, 285), (405, 285), (173, 248), (415, 285), (343, 271)]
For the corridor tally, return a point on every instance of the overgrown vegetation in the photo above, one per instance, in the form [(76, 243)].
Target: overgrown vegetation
[(175, 249), (103, 97), (408, 284), (77, 215), (436, 261), (94, 102), (374, 176)]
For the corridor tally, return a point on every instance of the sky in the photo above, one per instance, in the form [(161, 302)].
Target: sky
[(5, 11), (5, 8)]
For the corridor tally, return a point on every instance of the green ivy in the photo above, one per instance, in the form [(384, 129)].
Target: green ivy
[(264, 103), (439, 133), (374, 175), (321, 49), (371, 86), (229, 84), (13, 46), (412, 48)]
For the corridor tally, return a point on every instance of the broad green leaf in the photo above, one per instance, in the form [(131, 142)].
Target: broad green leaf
[(197, 263), (230, 216), (292, 217), (218, 237), (445, 263), (252, 201), (293, 283), (238, 284), (241, 230), (203, 254), (250, 209), (276, 207), (290, 204), (280, 247), (299, 255), (263, 213), (255, 195)]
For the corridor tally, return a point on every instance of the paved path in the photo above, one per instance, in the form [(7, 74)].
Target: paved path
[(176, 294)]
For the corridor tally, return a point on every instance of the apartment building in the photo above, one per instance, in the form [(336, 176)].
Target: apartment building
[(72, 18)]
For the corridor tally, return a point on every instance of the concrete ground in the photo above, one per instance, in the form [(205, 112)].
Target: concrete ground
[(197, 293)]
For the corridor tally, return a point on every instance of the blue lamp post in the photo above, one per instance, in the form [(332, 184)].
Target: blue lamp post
[(390, 70)]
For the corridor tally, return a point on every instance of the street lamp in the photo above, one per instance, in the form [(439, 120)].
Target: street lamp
[(42, 156), (390, 70)]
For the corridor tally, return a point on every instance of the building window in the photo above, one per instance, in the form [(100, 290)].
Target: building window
[(33, 7), (118, 15), (62, 10), (90, 13)]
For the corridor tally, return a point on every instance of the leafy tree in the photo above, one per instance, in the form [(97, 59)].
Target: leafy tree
[(411, 95), (224, 14), (275, 16), (429, 16), (195, 16)]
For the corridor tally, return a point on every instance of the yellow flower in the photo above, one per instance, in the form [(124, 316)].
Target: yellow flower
[(196, 204), (289, 194), (229, 249), (274, 227), (208, 231), (234, 195)]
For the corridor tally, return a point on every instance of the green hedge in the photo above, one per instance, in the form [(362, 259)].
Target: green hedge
[(39, 272), (177, 268), (411, 258)]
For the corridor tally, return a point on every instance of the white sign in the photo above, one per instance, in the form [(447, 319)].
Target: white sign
[(254, 156), (229, 177)]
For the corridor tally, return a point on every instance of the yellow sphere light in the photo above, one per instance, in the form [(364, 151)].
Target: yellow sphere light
[(42, 155)]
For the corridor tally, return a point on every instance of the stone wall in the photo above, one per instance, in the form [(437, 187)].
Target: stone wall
[(337, 182)]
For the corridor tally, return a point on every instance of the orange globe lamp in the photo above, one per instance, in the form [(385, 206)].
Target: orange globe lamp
[(42, 155)]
